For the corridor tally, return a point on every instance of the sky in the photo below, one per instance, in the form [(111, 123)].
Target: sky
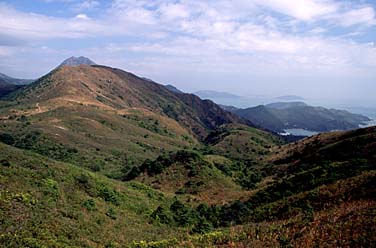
[(318, 49)]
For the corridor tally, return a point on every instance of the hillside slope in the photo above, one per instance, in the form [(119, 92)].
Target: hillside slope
[(240, 142), (105, 119), (323, 200), (295, 169), (114, 89), (44, 203), (192, 176)]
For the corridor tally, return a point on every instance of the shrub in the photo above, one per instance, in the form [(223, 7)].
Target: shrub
[(162, 215), (111, 213), (132, 174), (83, 179), (5, 163), (7, 138), (50, 188), (109, 195), (202, 226), (89, 205), (183, 215)]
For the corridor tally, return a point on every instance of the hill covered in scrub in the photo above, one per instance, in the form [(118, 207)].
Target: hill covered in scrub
[(106, 119), (297, 115), (93, 156)]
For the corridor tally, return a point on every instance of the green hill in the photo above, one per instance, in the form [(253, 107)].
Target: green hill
[(105, 119), (240, 142), (44, 203), (198, 179), (113, 89)]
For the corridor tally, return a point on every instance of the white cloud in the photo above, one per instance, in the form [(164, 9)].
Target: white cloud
[(305, 10), (30, 26), (172, 11), (82, 17), (365, 15), (318, 30), (86, 5), (228, 36)]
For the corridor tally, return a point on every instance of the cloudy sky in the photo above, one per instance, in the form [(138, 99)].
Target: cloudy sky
[(313, 48)]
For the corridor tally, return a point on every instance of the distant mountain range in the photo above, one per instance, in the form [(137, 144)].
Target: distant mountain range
[(15, 81), (297, 115), (226, 99), (9, 84), (6, 88), (289, 98), (209, 94)]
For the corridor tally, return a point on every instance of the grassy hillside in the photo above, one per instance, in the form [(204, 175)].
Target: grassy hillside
[(292, 202), (44, 203), (198, 179), (322, 202), (113, 89), (105, 119), (241, 142), (336, 220), (100, 140)]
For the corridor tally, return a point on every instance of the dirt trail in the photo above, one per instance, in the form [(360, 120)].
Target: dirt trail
[(39, 109)]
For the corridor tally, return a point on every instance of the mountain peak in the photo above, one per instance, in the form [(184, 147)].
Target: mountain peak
[(74, 61)]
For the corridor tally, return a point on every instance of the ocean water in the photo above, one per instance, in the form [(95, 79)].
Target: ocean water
[(370, 123), (299, 132)]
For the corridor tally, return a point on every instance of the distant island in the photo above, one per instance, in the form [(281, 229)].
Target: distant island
[(281, 116)]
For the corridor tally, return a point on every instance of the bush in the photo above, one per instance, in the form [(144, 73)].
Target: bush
[(83, 179), (162, 215), (7, 138), (211, 214), (89, 205), (203, 226), (50, 188), (5, 163), (132, 174), (110, 195), (111, 213), (183, 215)]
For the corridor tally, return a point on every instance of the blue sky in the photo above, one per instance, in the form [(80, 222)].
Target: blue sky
[(313, 48)]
